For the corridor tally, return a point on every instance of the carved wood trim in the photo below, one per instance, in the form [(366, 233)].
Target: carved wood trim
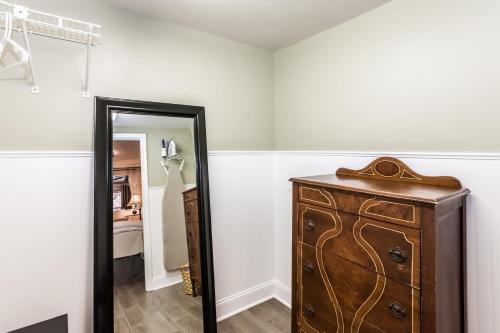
[(389, 168)]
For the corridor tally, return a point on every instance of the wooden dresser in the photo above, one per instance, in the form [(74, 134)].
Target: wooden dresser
[(381, 249), (193, 238)]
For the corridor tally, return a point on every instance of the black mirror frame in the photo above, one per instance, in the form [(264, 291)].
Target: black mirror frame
[(103, 229)]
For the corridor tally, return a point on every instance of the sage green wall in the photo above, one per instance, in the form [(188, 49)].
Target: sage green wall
[(183, 137), (139, 58), (408, 76)]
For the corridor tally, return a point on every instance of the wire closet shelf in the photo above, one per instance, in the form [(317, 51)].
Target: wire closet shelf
[(33, 22), (50, 25)]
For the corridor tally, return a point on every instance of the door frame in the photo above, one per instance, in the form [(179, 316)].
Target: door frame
[(146, 223)]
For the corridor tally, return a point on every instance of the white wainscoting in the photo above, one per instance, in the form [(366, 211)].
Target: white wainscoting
[(46, 238), (47, 225), (241, 197)]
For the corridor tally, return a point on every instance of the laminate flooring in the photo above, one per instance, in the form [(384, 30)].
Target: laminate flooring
[(169, 310)]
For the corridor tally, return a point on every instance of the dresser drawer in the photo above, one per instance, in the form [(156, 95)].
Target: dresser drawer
[(193, 241), (372, 206), (333, 292), (384, 248), (315, 221), (190, 195), (191, 211)]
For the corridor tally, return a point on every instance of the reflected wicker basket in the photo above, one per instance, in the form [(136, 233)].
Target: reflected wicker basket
[(186, 280)]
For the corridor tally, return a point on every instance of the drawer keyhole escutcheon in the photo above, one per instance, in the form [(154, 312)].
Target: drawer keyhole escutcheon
[(308, 267), (309, 225), (397, 310), (397, 254), (309, 310)]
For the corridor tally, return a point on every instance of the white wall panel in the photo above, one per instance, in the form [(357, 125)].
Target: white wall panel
[(46, 230), (241, 189), (45, 240)]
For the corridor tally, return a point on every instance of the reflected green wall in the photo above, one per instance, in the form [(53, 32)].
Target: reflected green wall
[(183, 137)]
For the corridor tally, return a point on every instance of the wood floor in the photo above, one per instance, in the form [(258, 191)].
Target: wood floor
[(169, 310), (268, 317)]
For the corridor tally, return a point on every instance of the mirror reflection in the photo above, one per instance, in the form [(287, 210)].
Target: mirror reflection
[(156, 256)]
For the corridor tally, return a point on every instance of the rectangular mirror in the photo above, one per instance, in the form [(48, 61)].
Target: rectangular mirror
[(153, 253)]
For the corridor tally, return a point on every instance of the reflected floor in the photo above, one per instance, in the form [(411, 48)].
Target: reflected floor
[(169, 310), (164, 310), (268, 317)]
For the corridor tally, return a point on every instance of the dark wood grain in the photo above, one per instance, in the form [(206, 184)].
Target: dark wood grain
[(191, 210), (190, 194), (193, 239), (378, 252), (295, 258), (390, 189), (393, 210), (389, 168), (352, 286), (398, 247)]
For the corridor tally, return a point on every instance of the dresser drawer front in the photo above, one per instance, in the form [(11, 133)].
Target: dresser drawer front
[(191, 195), (384, 248), (313, 222), (334, 292), (372, 206), (191, 211), (396, 247), (193, 241)]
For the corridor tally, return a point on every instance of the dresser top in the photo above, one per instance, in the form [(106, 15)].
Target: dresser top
[(390, 177)]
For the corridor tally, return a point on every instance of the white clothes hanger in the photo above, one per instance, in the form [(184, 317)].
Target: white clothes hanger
[(165, 166), (28, 21), (18, 49)]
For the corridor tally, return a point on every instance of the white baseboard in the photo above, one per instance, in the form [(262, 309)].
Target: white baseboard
[(283, 293), (167, 280), (246, 299)]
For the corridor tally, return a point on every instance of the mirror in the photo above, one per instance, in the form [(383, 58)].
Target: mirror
[(153, 255)]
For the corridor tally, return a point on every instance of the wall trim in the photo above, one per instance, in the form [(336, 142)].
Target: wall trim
[(243, 300), (240, 152), (45, 154), (354, 153), (248, 298), (426, 155), (165, 280), (283, 293)]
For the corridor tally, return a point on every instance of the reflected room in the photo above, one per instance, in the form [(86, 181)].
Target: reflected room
[(156, 256)]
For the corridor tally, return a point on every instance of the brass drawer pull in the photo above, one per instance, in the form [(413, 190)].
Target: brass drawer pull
[(308, 267), (309, 310), (397, 254), (397, 310), (309, 225)]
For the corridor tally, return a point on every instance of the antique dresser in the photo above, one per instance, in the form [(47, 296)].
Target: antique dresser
[(381, 249), (193, 238)]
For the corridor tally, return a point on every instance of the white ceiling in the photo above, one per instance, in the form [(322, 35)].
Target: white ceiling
[(140, 120), (269, 24)]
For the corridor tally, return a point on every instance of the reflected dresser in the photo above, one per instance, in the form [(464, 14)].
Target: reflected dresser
[(380, 249), (193, 238)]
